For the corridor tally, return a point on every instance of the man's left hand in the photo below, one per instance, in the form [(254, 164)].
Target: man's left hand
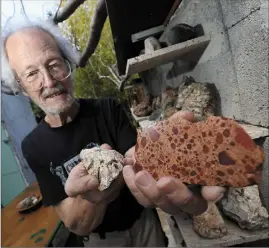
[(168, 193)]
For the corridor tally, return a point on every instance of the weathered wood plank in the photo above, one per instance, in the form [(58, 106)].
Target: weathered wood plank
[(235, 235), (166, 55), (147, 33), (175, 232)]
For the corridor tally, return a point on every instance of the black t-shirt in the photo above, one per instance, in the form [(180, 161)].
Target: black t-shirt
[(52, 152)]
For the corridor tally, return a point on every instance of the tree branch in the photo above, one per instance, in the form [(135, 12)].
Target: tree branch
[(96, 28), (108, 77), (116, 80), (112, 72), (67, 11)]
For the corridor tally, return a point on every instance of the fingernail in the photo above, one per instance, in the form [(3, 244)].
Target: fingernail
[(143, 180), (153, 134)]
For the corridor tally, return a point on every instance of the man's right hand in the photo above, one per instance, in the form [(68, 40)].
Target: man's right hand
[(79, 182)]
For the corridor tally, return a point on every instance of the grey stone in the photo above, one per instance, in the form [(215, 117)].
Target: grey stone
[(249, 45), (235, 11), (243, 205), (220, 72)]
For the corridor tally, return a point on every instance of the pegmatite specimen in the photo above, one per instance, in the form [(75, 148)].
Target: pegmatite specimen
[(105, 165)]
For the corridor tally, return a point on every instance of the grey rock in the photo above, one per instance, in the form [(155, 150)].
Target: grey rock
[(243, 205)]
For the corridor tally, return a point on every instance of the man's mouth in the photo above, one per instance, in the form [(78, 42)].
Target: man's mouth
[(56, 94)]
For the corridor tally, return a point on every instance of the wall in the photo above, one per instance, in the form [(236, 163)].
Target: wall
[(236, 60), (18, 120), (12, 181)]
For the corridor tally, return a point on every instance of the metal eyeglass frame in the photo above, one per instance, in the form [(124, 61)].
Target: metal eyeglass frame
[(42, 84)]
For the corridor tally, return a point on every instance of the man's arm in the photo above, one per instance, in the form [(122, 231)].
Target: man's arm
[(84, 208), (79, 215)]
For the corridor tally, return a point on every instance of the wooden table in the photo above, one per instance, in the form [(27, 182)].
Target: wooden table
[(35, 228)]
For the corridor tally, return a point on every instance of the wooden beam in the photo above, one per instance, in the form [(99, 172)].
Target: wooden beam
[(147, 33), (168, 54)]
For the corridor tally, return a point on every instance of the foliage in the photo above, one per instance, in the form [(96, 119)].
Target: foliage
[(38, 112), (97, 79)]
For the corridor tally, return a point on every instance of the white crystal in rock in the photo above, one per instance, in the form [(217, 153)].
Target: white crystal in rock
[(104, 164)]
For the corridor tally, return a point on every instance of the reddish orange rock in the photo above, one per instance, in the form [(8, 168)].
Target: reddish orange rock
[(216, 151)]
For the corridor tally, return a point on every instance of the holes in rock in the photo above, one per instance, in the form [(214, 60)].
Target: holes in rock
[(175, 130), (144, 142), (224, 159), (219, 138), (226, 133)]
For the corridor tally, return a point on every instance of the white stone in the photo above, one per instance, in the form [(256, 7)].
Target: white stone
[(105, 165)]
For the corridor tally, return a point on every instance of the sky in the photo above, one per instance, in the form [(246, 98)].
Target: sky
[(35, 8)]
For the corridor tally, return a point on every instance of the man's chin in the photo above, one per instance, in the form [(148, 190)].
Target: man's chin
[(56, 110), (58, 107)]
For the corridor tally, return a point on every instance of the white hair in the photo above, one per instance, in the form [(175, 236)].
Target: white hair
[(66, 48)]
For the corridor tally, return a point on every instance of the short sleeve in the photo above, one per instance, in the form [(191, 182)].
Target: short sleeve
[(50, 185)]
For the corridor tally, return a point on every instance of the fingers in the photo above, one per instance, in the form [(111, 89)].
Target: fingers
[(148, 186), (129, 176), (181, 196), (94, 196), (188, 115), (106, 146), (107, 195), (78, 182), (213, 193), (128, 161)]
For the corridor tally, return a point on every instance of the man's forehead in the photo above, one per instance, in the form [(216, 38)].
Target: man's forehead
[(32, 33), (30, 43), (30, 38)]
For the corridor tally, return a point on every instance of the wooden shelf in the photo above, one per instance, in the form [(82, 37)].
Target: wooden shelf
[(235, 235), (168, 54), (254, 132)]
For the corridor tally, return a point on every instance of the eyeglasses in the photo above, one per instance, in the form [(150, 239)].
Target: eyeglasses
[(34, 80)]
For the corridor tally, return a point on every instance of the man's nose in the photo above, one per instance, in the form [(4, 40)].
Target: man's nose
[(49, 81)]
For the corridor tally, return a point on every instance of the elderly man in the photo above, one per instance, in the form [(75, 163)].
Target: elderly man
[(38, 62)]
